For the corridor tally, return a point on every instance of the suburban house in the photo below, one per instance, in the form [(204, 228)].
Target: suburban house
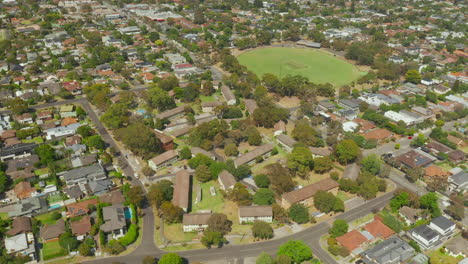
[(352, 240), (377, 229), (228, 95), (286, 142), (172, 113), (166, 141), (182, 190), (443, 226), (263, 151), (24, 190), (279, 128), (208, 107), (74, 192), (84, 174), (319, 152), (21, 224), (226, 180), (249, 214), (195, 222), (425, 236), (22, 244), (392, 250), (80, 208), (457, 247), (378, 134), (62, 131), (81, 228), (456, 156), (114, 197), (458, 182), (409, 214), (197, 150), (306, 194), (163, 160), (17, 151), (29, 207), (415, 158), (114, 221), (351, 171), (98, 187), (250, 105), (52, 232), (349, 104)]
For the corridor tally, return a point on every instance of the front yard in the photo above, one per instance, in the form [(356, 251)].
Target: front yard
[(52, 250), (438, 257), (208, 202)]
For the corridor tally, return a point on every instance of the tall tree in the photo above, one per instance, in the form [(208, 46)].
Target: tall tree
[(297, 250), (347, 151)]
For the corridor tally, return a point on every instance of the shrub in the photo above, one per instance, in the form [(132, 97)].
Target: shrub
[(130, 237)]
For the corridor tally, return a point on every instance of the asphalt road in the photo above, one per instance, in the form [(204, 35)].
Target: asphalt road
[(230, 252)]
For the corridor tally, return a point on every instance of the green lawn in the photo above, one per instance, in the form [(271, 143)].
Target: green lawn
[(47, 218), (316, 65), (37, 140), (437, 257), (52, 250), (208, 202), (175, 233), (4, 216), (42, 171)]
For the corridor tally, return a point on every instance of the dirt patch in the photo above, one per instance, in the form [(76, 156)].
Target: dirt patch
[(289, 102)]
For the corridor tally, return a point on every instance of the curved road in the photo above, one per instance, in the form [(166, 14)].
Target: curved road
[(310, 236)]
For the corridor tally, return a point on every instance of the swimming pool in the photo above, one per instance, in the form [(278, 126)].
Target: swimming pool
[(128, 213), (54, 206)]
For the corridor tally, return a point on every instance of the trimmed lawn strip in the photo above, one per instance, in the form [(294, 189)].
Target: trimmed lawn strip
[(208, 202), (52, 250)]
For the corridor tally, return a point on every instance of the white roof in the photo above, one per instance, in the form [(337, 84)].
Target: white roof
[(350, 126), (16, 243)]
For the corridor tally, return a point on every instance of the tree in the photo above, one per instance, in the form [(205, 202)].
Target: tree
[(262, 230), (160, 99), (84, 249), (148, 260), (400, 200), (114, 247), (219, 223), (168, 83), (413, 76), (170, 258), (18, 106), (325, 201), (323, 164), (347, 151), (299, 213), (429, 201), (304, 133), (262, 181), (258, 3), (185, 153), (68, 242), (264, 196), (297, 250), (171, 213), (46, 154), (146, 144), (160, 192), (339, 228), (414, 174), (300, 160), (95, 141), (211, 238), (240, 194), (198, 17), (135, 195), (153, 36), (203, 173), (231, 150), (84, 131), (279, 213), (268, 116), (264, 258), (371, 163), (280, 178)]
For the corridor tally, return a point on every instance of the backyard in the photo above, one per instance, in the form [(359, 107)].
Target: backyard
[(318, 66)]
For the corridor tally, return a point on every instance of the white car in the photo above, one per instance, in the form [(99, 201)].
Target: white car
[(136, 176), (6, 200)]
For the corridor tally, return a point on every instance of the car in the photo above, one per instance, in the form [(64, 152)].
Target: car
[(6, 200), (136, 175), (410, 137)]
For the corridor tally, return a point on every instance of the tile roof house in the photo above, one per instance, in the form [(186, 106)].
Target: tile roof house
[(434, 171), (378, 134), (378, 229), (172, 113), (17, 151), (24, 190), (182, 190), (80, 208), (410, 215), (250, 105), (226, 180), (457, 156), (74, 192), (458, 182), (195, 222), (114, 197), (21, 224), (163, 160), (393, 250), (114, 220), (436, 147), (249, 158), (197, 150), (352, 240), (81, 227), (320, 152), (249, 214), (306, 194), (415, 158), (228, 95), (22, 163), (279, 128), (29, 207), (52, 232), (457, 246)]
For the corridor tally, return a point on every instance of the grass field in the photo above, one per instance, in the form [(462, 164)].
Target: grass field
[(316, 65), (52, 250)]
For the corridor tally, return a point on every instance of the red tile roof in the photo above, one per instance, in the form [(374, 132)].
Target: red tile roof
[(351, 240), (378, 229)]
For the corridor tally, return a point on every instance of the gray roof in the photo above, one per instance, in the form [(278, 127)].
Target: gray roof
[(442, 222), (249, 156), (393, 248), (227, 179), (29, 206), (425, 232), (460, 178), (349, 103), (287, 140), (91, 172), (99, 187), (114, 218), (73, 191)]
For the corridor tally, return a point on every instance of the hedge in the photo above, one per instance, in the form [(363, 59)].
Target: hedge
[(131, 236)]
